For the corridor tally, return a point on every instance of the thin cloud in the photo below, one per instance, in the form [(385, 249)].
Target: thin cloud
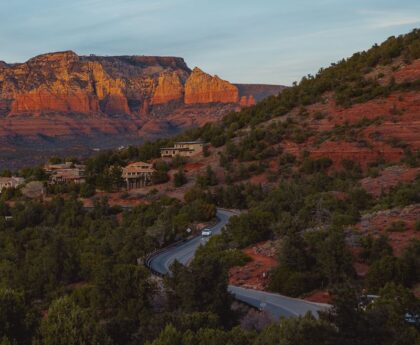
[(384, 20), (239, 40)]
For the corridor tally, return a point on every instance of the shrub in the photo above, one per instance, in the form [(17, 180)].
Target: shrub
[(417, 225), (207, 179), (375, 249), (397, 226), (311, 166), (159, 176), (178, 161), (388, 269), (250, 228), (180, 178), (319, 115), (292, 283), (87, 190)]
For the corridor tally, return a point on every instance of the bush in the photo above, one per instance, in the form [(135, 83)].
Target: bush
[(417, 225), (287, 158), (319, 115), (292, 283), (201, 211), (375, 248), (178, 161), (311, 166), (235, 257), (87, 190), (159, 176), (250, 228), (180, 178), (207, 179), (388, 269), (397, 226)]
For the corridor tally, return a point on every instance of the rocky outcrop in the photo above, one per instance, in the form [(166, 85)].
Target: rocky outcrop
[(58, 83), (247, 101), (63, 99), (203, 88), (38, 102), (65, 83), (169, 89), (116, 104)]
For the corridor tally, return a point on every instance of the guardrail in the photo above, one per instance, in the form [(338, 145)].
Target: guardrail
[(148, 259)]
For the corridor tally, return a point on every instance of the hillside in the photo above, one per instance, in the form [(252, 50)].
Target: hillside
[(55, 99), (324, 179), (325, 142)]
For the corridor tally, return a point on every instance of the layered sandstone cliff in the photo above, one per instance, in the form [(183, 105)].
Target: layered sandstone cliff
[(66, 83), (59, 98), (169, 88), (203, 88)]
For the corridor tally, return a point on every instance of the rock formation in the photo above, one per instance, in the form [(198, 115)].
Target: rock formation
[(169, 89), (66, 83), (63, 97), (247, 101), (203, 88)]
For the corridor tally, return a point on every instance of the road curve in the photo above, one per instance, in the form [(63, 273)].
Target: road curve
[(275, 304)]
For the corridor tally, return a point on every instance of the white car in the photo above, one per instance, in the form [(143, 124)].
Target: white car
[(206, 232)]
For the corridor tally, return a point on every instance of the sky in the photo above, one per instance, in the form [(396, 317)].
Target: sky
[(243, 41)]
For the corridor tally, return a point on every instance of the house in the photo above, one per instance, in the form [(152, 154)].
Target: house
[(67, 172), (138, 174), (71, 175), (183, 148), (10, 182)]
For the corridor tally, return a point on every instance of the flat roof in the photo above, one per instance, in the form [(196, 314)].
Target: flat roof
[(176, 148), (137, 164), (138, 170), (190, 142)]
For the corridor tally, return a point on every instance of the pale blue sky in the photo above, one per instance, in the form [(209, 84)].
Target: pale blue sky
[(266, 41)]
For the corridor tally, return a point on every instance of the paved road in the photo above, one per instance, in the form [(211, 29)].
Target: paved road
[(185, 251), (275, 304)]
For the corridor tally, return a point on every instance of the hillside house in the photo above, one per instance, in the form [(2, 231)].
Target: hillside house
[(71, 175), (183, 149), (10, 182), (138, 174), (67, 172)]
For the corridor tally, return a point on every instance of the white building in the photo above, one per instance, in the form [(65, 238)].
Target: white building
[(10, 182), (183, 148)]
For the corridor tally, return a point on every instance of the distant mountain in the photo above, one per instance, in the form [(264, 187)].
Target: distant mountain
[(53, 99)]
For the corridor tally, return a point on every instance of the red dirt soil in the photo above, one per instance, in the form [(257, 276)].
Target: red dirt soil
[(116, 199), (319, 296), (254, 274), (408, 73), (399, 113)]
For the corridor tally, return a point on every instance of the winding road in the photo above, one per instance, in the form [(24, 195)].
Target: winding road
[(275, 304)]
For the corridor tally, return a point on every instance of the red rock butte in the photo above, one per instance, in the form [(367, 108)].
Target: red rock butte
[(66, 97), (66, 83)]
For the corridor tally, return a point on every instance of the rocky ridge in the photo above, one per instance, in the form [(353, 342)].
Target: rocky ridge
[(62, 96), (66, 83)]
